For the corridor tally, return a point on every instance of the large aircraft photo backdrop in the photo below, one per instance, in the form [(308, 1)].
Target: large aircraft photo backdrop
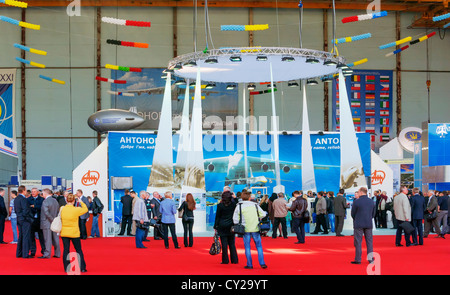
[(131, 154)]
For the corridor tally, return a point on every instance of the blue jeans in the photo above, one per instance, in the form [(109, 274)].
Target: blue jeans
[(94, 229), (14, 228), (140, 233), (256, 236), (331, 222)]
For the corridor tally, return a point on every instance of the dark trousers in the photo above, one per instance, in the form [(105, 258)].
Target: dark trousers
[(228, 243), (418, 230), (187, 227), (165, 228), (394, 220), (357, 241), (158, 230), (382, 219), (24, 242), (339, 224), (299, 228), (321, 221), (68, 264), (429, 225), (126, 220), (2, 228), (398, 235), (140, 234), (277, 221), (83, 229), (35, 228)]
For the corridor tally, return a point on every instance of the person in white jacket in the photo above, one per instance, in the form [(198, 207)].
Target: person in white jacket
[(402, 210), (250, 211)]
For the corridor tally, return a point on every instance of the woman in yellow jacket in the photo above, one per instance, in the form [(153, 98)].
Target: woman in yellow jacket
[(71, 232)]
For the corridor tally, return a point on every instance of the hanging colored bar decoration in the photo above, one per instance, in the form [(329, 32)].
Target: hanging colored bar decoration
[(19, 4), (126, 43), (31, 63), (396, 43), (361, 17), (422, 38), (441, 17), (262, 91), (32, 50), (52, 79), (118, 93), (244, 27), (353, 38), (124, 22), (110, 80), (19, 23), (125, 69), (397, 51), (357, 63)]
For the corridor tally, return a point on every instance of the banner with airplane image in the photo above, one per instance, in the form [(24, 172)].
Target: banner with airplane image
[(131, 154), (145, 90)]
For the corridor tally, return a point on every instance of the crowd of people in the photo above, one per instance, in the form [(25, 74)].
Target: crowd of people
[(32, 213)]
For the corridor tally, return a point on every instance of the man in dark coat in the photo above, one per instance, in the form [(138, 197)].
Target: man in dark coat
[(418, 206), (24, 220), (127, 205), (363, 212)]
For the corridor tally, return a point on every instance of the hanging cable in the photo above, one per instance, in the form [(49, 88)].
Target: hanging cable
[(195, 26), (300, 22)]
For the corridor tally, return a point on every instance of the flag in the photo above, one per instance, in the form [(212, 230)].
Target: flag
[(337, 103), (384, 129), (384, 138), (370, 112), (384, 104), (384, 113), (337, 120), (384, 87), (384, 95), (356, 86), (370, 104), (370, 79), (338, 127), (358, 129), (370, 121), (356, 78), (337, 112), (357, 121), (370, 87), (370, 129), (356, 112), (370, 95), (384, 79), (355, 104), (357, 95), (372, 138), (384, 121)]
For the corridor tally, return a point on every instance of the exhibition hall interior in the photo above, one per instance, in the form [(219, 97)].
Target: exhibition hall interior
[(224, 138)]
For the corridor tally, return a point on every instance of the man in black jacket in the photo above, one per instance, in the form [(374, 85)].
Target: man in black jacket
[(97, 208), (24, 220), (418, 206), (363, 212), (3, 215), (127, 217), (155, 204), (340, 210), (35, 202)]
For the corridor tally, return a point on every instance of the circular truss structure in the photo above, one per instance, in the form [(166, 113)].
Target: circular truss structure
[(252, 64)]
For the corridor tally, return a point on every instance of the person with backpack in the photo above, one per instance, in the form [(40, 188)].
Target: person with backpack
[(97, 208)]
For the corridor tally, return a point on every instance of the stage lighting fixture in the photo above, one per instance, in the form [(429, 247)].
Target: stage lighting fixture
[(329, 63), (321, 133), (180, 82), (168, 71), (327, 79), (251, 86), (292, 83), (342, 66), (261, 57), (311, 82), (190, 63), (178, 66), (235, 58), (287, 58), (312, 60), (211, 60), (231, 87), (192, 85), (269, 85), (210, 85)]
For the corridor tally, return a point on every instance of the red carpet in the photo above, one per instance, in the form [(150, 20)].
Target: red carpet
[(324, 255)]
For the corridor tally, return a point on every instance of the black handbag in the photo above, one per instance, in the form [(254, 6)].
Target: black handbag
[(239, 228), (153, 222), (144, 225), (407, 227), (216, 247), (431, 216), (306, 218)]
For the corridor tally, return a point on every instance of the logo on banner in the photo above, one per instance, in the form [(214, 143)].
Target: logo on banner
[(378, 177), (8, 143), (90, 178), (413, 135), (442, 130), (6, 77)]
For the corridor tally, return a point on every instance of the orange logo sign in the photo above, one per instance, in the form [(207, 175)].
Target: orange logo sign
[(90, 178), (378, 177)]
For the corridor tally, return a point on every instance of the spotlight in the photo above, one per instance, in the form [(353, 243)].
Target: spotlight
[(342, 66), (231, 87), (190, 63), (327, 79), (210, 85), (273, 85), (192, 85), (292, 83), (321, 133), (312, 60), (347, 72), (180, 82), (287, 58), (329, 63), (211, 60), (251, 86), (178, 66), (311, 82), (261, 57), (168, 71), (284, 132), (235, 58)]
